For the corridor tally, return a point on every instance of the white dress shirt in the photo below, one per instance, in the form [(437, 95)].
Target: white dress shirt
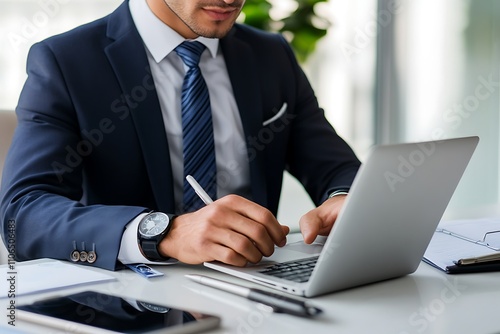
[(168, 72)]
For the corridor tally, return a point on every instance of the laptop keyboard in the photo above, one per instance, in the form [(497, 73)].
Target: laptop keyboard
[(297, 271)]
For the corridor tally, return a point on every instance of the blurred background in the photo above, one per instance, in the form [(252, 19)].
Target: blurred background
[(385, 71)]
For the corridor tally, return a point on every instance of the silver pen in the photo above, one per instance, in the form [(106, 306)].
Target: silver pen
[(199, 190), (279, 303)]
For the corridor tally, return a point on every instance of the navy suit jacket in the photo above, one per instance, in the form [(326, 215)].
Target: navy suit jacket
[(90, 151)]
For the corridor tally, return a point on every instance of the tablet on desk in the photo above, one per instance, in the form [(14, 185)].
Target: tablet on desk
[(94, 312)]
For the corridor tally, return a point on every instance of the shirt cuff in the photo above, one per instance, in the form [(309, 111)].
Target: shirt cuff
[(338, 193), (129, 248), (335, 190)]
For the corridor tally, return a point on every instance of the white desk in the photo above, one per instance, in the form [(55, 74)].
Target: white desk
[(427, 301)]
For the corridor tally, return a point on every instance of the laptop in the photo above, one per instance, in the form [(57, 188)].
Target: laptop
[(394, 206)]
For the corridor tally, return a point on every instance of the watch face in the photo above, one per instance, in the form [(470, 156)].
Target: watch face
[(154, 224)]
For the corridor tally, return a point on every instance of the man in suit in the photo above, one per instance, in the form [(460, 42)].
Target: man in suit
[(99, 141)]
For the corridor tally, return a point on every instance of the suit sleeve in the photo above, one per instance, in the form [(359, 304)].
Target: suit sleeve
[(41, 194), (317, 156)]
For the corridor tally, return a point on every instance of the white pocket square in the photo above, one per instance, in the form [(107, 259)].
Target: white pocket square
[(278, 115)]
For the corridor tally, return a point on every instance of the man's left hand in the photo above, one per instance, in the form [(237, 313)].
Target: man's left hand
[(320, 220)]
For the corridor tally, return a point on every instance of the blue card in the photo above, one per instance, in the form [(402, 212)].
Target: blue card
[(144, 270)]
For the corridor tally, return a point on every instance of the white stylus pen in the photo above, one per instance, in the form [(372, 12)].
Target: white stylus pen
[(199, 190)]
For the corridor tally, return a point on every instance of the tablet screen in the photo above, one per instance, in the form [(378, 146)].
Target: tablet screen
[(115, 313)]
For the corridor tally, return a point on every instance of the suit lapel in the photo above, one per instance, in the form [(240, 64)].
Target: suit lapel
[(129, 61), (241, 67)]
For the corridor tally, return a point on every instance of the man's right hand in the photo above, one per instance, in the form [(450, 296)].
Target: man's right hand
[(231, 230)]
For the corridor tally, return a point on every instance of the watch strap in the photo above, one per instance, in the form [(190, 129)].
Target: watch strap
[(150, 250)]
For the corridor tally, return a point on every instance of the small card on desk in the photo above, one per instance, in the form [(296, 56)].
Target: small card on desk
[(144, 270), (465, 246)]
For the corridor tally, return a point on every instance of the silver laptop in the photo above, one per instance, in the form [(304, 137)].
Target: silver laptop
[(394, 206)]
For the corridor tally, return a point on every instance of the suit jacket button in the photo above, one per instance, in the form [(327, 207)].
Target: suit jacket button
[(83, 256), (91, 257), (75, 256)]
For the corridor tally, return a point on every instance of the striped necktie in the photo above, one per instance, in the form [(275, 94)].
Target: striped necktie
[(198, 138)]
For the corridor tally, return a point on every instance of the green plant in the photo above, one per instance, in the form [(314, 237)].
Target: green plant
[(303, 27)]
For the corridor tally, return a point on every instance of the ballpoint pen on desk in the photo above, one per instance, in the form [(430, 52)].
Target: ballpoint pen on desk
[(488, 258), (199, 190), (279, 303)]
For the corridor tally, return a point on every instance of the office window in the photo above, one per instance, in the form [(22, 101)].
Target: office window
[(445, 83)]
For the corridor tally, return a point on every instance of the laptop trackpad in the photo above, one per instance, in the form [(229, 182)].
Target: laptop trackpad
[(297, 244), (295, 251), (302, 247)]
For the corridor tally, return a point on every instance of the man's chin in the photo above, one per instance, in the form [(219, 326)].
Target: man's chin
[(217, 32)]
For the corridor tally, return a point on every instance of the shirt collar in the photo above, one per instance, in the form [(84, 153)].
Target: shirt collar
[(158, 37)]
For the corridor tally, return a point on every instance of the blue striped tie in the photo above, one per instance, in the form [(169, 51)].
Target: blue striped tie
[(198, 138)]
